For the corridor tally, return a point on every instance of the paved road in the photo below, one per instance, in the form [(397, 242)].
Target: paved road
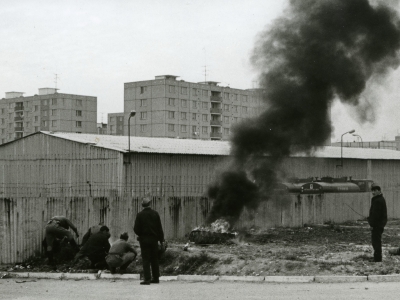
[(25, 289)]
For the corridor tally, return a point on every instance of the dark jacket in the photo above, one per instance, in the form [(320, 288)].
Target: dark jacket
[(65, 223), (148, 226), (378, 212), (92, 230), (96, 244)]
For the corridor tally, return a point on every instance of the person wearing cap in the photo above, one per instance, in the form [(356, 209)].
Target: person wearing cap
[(149, 230), (377, 219), (96, 249), (121, 254), (58, 228)]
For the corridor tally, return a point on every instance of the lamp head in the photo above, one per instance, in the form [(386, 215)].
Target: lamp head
[(352, 131), (132, 113)]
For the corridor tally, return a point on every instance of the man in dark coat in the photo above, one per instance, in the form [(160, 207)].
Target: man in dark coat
[(96, 248), (58, 228), (377, 220), (92, 230), (149, 231)]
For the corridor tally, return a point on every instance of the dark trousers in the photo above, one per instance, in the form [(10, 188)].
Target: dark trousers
[(149, 251), (376, 237)]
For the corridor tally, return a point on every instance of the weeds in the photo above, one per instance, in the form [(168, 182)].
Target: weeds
[(290, 266), (191, 263)]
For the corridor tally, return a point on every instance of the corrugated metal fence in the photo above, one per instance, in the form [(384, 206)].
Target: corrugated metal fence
[(22, 220)]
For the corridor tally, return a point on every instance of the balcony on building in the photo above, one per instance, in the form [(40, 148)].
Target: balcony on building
[(19, 118), (18, 135), (19, 108), (19, 129), (216, 110), (216, 135), (216, 123), (215, 96)]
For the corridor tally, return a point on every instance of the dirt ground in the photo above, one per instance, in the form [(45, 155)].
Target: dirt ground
[(341, 249)]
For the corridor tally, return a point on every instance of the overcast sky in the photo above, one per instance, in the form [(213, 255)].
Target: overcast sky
[(96, 46)]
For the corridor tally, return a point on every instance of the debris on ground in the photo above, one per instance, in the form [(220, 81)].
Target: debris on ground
[(322, 249)]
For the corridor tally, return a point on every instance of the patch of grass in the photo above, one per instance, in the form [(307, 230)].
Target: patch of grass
[(294, 257), (227, 260), (362, 257), (190, 264), (168, 258), (290, 266)]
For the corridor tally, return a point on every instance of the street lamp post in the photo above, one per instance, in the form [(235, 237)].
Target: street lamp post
[(341, 147), (362, 143), (131, 114)]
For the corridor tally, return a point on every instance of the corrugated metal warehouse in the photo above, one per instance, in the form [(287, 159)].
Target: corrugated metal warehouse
[(92, 178)]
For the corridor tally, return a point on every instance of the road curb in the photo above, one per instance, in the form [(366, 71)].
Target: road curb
[(168, 278), (203, 278), (119, 276), (79, 276), (43, 275), (289, 279), (384, 278), (242, 278), (337, 279), (208, 278)]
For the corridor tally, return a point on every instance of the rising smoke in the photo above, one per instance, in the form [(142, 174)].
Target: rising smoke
[(319, 51)]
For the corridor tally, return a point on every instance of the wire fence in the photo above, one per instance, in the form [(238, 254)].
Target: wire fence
[(97, 188)]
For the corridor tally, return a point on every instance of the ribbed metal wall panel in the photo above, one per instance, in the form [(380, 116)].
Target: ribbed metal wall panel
[(24, 220), (42, 176)]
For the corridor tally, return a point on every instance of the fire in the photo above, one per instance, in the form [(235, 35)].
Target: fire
[(219, 226)]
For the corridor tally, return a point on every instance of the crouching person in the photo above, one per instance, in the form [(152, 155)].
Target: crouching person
[(121, 254), (96, 249), (58, 228)]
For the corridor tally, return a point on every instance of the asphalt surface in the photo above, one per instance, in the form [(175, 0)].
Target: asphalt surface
[(49, 289)]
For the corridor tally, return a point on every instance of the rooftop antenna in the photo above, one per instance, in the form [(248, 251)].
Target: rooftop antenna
[(55, 79), (205, 66)]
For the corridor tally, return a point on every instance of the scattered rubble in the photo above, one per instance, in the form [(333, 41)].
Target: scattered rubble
[(329, 249)]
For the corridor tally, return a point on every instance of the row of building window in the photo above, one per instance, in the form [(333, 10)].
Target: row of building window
[(196, 104), (45, 113), (199, 92), (45, 102), (184, 128), (44, 123)]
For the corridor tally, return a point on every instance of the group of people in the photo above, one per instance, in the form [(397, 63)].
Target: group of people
[(96, 247), (148, 228)]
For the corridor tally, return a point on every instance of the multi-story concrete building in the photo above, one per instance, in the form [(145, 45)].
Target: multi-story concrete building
[(115, 124), (167, 107), (102, 128), (48, 111)]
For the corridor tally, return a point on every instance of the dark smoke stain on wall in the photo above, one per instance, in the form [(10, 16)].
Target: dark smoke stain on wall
[(318, 51)]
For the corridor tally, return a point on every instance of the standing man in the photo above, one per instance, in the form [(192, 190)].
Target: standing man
[(149, 231), (377, 220), (121, 254), (58, 228)]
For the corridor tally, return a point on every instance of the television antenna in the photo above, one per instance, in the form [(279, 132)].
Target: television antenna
[(205, 65), (56, 77)]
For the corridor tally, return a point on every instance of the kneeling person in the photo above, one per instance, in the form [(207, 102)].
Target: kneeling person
[(96, 248), (121, 254)]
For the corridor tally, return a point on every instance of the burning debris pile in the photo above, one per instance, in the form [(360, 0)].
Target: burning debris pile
[(320, 51), (216, 233)]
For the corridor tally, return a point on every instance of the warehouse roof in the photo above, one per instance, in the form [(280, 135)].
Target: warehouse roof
[(148, 144), (205, 147)]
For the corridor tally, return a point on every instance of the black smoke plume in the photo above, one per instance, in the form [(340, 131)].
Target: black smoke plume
[(319, 51)]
